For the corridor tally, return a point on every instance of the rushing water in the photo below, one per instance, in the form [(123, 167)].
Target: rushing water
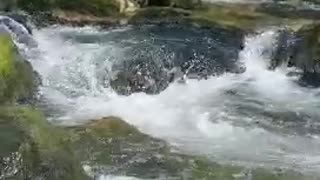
[(259, 117)]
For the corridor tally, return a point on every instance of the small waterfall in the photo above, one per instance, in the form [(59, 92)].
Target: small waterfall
[(18, 32), (216, 117), (258, 117)]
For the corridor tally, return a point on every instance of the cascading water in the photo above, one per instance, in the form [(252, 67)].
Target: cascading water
[(259, 117)]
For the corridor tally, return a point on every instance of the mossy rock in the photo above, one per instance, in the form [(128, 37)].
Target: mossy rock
[(18, 81), (34, 149), (111, 146)]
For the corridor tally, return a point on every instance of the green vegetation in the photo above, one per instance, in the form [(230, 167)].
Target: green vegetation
[(17, 79), (45, 150), (29, 144)]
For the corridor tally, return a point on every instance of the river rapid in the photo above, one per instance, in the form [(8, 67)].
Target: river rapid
[(259, 117)]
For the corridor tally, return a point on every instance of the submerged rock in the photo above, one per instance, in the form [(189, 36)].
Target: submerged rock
[(196, 52)]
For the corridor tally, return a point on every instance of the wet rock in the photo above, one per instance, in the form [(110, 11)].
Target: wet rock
[(285, 46), (306, 52), (195, 51), (301, 49), (140, 76), (112, 146), (21, 18)]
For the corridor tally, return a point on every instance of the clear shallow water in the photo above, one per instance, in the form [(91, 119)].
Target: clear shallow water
[(260, 117)]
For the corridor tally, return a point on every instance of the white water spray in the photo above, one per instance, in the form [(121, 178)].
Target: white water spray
[(199, 117)]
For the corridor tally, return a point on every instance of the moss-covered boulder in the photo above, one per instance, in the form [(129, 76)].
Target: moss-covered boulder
[(110, 145), (18, 81), (31, 148)]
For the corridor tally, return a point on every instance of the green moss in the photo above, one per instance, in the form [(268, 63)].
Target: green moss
[(99, 140), (17, 79), (46, 151), (6, 56), (202, 169), (95, 7)]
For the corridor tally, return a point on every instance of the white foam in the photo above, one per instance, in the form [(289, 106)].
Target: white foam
[(197, 116)]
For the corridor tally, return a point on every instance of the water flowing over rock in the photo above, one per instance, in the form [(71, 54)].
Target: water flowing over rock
[(150, 67), (20, 32), (162, 99)]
